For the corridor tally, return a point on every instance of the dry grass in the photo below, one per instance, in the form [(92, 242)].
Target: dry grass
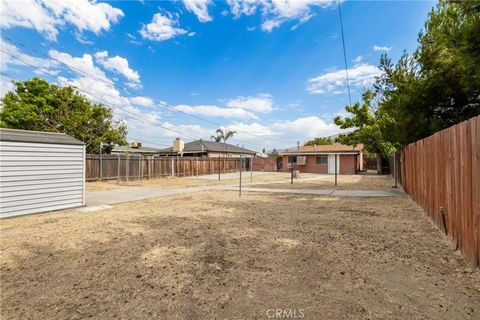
[(217, 256), (180, 182)]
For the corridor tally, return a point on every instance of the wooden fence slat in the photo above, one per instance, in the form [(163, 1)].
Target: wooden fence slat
[(443, 171)]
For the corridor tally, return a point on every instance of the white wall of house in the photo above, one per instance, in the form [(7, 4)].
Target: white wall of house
[(40, 177)]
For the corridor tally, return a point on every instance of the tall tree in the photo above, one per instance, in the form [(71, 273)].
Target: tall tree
[(38, 105), (368, 124), (222, 135), (435, 87)]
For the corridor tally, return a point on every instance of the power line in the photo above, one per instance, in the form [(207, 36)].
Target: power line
[(106, 102), (344, 52), (118, 113), (160, 103)]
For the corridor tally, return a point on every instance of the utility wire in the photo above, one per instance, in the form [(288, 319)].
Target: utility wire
[(344, 52), (99, 98), (160, 103), (118, 113)]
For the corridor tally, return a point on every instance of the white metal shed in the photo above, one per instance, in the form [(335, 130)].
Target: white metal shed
[(40, 172)]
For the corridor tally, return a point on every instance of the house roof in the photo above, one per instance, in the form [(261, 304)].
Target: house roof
[(15, 135), (129, 149), (199, 146), (332, 148)]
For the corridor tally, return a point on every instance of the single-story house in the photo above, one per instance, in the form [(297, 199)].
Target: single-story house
[(40, 172), (321, 159), (135, 148), (205, 148)]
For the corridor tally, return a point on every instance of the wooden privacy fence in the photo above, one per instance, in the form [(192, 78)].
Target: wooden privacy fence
[(264, 164), (442, 174), (132, 166)]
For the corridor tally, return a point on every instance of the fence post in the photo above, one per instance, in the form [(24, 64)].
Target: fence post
[(100, 163), (219, 168), (240, 184), (140, 166), (128, 167), (118, 168)]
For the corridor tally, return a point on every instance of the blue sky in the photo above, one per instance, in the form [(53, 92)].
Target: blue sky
[(272, 70)]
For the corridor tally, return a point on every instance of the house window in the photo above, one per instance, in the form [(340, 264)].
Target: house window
[(292, 159), (321, 159)]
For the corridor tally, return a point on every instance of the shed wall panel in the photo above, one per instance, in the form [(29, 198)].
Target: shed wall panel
[(40, 177)]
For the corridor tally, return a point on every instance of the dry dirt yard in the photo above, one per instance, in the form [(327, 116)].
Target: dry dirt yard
[(181, 182), (344, 182), (213, 255)]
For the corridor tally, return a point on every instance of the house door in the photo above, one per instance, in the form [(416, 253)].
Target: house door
[(331, 164)]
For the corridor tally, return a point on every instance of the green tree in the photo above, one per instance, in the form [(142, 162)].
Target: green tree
[(434, 88), (368, 124), (38, 105), (222, 135), (319, 141), (439, 85)]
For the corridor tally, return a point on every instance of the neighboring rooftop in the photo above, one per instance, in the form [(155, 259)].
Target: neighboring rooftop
[(330, 148), (15, 135), (199, 146), (130, 149)]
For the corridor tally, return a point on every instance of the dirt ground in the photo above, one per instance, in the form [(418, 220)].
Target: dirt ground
[(180, 182), (213, 255), (344, 182)]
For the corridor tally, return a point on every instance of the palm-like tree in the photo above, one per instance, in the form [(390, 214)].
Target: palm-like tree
[(222, 135)]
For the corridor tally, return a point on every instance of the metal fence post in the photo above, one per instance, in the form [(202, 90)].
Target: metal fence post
[(140, 160), (118, 168), (240, 184), (100, 163), (128, 167)]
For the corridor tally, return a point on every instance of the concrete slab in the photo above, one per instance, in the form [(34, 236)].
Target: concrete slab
[(114, 196)]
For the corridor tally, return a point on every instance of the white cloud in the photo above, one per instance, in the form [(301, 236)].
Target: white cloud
[(282, 134), (162, 27), (260, 103), (46, 16), (255, 128), (117, 64), (335, 81), (305, 128), (6, 60), (81, 65), (142, 101), (5, 85), (243, 7), (358, 59), (214, 111), (269, 25), (199, 8), (381, 48), (276, 12)]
